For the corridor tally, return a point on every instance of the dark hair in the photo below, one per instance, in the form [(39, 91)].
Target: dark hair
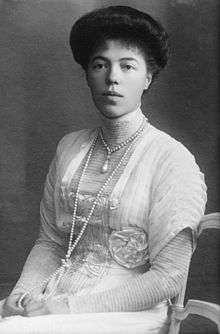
[(129, 25)]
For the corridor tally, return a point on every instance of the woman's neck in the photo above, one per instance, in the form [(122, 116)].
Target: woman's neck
[(117, 130)]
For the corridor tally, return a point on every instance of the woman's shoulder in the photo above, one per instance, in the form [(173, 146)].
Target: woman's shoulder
[(75, 138), (172, 161), (167, 147)]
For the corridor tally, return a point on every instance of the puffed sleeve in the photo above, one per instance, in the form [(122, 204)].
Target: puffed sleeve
[(178, 198)]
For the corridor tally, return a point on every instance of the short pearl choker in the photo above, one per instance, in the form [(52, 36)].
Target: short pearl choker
[(113, 149), (66, 262)]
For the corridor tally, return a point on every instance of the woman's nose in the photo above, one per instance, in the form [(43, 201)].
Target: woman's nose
[(112, 76)]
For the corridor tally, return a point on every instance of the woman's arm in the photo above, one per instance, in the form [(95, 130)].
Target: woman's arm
[(45, 256), (162, 281)]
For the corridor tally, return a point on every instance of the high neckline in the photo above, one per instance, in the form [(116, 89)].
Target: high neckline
[(117, 130)]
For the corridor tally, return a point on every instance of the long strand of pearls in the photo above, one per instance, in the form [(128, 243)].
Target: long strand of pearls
[(66, 262)]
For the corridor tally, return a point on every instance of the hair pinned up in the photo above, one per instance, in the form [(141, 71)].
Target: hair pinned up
[(129, 25)]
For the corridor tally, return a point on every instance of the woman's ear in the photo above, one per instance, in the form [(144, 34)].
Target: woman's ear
[(148, 81)]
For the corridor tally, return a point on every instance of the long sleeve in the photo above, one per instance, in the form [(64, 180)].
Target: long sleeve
[(161, 282), (45, 256)]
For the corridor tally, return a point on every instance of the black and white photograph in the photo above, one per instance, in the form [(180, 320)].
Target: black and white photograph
[(109, 167)]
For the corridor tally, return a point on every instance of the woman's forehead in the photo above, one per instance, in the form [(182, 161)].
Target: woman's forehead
[(118, 47)]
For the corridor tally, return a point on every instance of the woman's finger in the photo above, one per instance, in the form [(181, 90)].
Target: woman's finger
[(26, 300), (36, 312), (10, 306), (33, 305)]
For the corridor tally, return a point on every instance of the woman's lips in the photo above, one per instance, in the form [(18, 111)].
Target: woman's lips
[(112, 94)]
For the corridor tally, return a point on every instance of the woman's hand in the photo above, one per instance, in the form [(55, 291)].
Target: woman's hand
[(11, 307), (52, 306)]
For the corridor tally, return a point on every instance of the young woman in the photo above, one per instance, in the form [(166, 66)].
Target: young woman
[(122, 201)]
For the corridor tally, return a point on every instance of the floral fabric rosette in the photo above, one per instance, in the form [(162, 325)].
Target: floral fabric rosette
[(129, 246)]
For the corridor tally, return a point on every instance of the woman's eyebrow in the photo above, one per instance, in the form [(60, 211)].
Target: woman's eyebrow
[(129, 59), (99, 58), (121, 59)]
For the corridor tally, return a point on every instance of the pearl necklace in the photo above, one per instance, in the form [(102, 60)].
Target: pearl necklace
[(113, 149), (66, 262)]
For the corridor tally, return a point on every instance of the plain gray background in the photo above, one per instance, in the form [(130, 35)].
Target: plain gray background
[(44, 96)]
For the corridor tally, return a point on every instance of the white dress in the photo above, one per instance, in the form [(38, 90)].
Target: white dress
[(169, 196)]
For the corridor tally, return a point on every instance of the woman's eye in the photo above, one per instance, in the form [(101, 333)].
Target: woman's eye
[(127, 67), (98, 66)]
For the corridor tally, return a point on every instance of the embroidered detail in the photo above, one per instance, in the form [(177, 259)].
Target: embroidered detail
[(85, 199), (81, 219), (65, 222), (114, 204), (129, 247)]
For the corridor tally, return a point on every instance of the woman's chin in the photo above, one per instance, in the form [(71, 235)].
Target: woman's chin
[(112, 112)]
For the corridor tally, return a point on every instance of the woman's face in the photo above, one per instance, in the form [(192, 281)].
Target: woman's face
[(117, 76)]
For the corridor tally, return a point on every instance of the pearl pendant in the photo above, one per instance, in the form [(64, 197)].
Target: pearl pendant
[(105, 166)]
